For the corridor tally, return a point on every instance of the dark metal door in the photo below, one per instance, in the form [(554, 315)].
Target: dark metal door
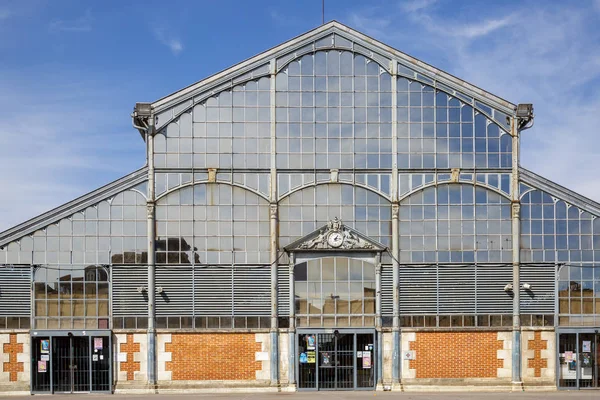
[(71, 364), (101, 364), (40, 364), (365, 360)]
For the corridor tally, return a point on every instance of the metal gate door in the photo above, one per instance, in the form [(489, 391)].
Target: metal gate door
[(71, 364), (336, 361), (77, 362)]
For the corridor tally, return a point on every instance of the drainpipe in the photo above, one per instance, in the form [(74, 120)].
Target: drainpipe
[(292, 329), (274, 333), (143, 115), (522, 121)]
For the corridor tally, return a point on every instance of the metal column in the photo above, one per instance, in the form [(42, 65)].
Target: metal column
[(516, 246), (396, 365), (292, 329), (379, 343), (151, 257), (274, 356)]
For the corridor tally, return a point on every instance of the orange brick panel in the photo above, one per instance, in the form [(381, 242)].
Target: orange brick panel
[(12, 348), (227, 356), (456, 354), (537, 362), (130, 348)]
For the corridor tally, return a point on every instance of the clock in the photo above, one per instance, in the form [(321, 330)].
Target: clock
[(335, 239)]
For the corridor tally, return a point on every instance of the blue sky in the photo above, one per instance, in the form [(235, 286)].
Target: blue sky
[(71, 71)]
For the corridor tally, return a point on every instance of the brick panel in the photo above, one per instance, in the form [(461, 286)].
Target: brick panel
[(456, 354), (130, 366), (13, 349), (537, 362), (227, 356)]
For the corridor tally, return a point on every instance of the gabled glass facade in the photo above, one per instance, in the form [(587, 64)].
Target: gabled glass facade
[(247, 163)]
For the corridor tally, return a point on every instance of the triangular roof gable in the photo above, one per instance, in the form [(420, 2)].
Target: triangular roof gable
[(334, 236), (129, 181), (537, 182), (332, 35)]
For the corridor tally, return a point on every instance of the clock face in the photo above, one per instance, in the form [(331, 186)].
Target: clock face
[(335, 239)]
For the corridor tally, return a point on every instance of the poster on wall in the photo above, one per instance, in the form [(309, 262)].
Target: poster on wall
[(366, 359), (45, 346), (98, 343), (310, 357), (45, 357), (310, 342), (587, 346), (568, 356), (41, 366), (303, 358), (325, 360)]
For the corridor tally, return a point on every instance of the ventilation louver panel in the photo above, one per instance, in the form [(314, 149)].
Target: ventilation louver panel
[(127, 300), (387, 290), (177, 296), (283, 292), (252, 291), (15, 291), (418, 290), (491, 297), (540, 300), (214, 291), (457, 289)]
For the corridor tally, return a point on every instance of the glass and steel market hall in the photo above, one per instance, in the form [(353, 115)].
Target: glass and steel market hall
[(331, 214)]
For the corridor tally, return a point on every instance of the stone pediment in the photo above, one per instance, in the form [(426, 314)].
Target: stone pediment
[(335, 236)]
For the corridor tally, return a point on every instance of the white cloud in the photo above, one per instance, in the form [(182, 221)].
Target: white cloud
[(416, 5), (81, 24), (547, 54), (56, 143), (172, 42)]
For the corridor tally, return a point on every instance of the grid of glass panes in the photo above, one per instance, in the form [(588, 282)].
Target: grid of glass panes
[(230, 129), (579, 295), (212, 224), (71, 297), (333, 111), (455, 223), (436, 130), (335, 291), (308, 209), (112, 231), (553, 230)]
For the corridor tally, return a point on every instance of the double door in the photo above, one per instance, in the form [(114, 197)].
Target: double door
[(578, 360), (338, 360), (70, 363)]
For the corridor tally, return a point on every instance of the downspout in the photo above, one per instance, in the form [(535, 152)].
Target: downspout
[(143, 115)]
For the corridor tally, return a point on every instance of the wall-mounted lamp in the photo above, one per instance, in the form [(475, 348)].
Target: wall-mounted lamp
[(526, 286), (508, 288), (141, 289), (159, 289)]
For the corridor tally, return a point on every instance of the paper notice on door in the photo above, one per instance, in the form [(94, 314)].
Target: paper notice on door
[(45, 357), (366, 359), (41, 366), (586, 346)]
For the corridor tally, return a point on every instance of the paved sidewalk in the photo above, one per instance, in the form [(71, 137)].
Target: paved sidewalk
[(579, 395)]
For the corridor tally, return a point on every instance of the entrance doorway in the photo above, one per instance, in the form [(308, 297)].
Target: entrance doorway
[(336, 360), (578, 355), (71, 362)]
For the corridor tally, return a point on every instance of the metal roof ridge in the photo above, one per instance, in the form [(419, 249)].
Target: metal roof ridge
[(265, 55)]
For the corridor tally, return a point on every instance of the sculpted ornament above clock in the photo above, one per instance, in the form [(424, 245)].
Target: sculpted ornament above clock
[(335, 236)]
